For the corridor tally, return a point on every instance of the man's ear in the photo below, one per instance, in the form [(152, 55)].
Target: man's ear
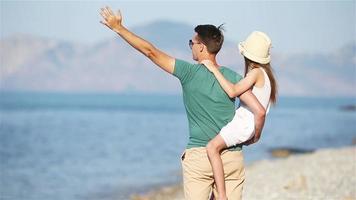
[(202, 48)]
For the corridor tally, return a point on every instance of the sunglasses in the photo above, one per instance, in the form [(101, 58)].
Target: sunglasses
[(191, 43)]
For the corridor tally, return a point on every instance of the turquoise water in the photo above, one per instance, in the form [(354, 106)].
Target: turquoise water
[(106, 146)]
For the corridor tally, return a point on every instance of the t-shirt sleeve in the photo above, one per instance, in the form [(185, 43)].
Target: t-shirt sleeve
[(232, 76), (238, 77), (182, 70)]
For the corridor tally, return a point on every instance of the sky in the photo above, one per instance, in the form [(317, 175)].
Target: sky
[(294, 26)]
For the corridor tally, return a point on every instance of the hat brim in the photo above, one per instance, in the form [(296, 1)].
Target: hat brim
[(252, 57)]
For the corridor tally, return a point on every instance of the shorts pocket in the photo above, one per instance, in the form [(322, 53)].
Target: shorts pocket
[(182, 157)]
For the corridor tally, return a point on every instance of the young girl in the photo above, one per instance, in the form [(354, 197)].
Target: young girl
[(259, 77)]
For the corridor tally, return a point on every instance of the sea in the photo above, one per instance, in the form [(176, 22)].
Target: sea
[(107, 146)]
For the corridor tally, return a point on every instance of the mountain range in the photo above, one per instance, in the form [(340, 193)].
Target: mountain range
[(32, 63)]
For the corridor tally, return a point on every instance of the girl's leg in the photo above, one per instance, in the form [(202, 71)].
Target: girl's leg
[(214, 148)]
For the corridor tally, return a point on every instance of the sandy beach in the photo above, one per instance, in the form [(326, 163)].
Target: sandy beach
[(326, 174)]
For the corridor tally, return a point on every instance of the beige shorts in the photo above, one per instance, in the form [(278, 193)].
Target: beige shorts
[(198, 177)]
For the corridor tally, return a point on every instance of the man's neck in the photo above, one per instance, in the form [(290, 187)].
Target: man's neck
[(210, 57)]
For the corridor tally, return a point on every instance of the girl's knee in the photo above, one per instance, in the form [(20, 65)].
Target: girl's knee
[(211, 147)]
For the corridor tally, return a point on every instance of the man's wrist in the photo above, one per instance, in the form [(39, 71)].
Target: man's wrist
[(118, 29)]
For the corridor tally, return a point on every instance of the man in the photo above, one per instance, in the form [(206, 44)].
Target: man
[(207, 106)]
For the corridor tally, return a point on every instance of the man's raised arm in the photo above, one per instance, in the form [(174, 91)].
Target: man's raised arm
[(114, 22)]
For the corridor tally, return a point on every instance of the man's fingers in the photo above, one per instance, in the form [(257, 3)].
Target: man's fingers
[(102, 10), (104, 16), (109, 10), (104, 23), (103, 13), (106, 11)]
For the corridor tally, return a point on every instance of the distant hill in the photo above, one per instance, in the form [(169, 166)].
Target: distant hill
[(42, 64)]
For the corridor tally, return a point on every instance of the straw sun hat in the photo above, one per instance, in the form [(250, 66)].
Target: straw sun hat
[(256, 47)]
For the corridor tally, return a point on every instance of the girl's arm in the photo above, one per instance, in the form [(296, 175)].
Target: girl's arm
[(258, 111), (233, 90)]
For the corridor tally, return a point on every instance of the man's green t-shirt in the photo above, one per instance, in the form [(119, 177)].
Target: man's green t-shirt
[(207, 105)]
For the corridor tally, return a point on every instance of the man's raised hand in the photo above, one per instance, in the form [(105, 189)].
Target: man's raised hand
[(111, 20)]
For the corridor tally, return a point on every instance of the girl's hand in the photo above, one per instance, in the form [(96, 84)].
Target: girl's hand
[(111, 20), (208, 64), (253, 140)]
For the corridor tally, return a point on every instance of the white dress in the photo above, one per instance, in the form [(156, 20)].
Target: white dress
[(242, 126)]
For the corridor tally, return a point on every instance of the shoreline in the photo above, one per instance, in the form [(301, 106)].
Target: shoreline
[(328, 173)]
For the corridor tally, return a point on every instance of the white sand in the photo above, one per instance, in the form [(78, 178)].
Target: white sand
[(327, 174)]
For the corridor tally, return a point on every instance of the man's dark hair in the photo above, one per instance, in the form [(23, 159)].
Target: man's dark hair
[(211, 36)]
